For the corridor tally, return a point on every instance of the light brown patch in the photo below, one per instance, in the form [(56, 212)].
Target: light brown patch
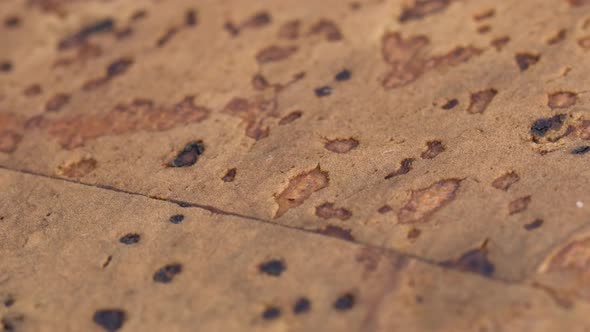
[(384, 209), (577, 3), (418, 9), (369, 257), (77, 169), (258, 20), (73, 131), (424, 202), (434, 148), (561, 99), (300, 188), (275, 53), (518, 205), (327, 29), (328, 210), (290, 30), (81, 54), (341, 145), (584, 42), (413, 233), (11, 131), (252, 112), (480, 100), (396, 49), (505, 181), (32, 90), (485, 14), (337, 232)]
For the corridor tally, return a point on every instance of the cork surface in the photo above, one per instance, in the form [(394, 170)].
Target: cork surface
[(292, 165)]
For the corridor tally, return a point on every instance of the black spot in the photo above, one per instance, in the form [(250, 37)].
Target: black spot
[(344, 75), (475, 261), (130, 238), (542, 126), (344, 302), (189, 155), (534, 224), (525, 60), (450, 104), (8, 301), (102, 26), (273, 267), (12, 21), (5, 66), (183, 204), (301, 306), (581, 149), (118, 67), (110, 319), (323, 91), (167, 273), (190, 18), (177, 218), (271, 313)]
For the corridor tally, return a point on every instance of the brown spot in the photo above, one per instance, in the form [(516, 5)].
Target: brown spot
[(488, 13), (583, 129), (518, 205), (94, 83), (369, 257), (189, 155), (384, 209), (82, 53), (9, 140), (166, 37), (572, 264), (290, 117), (480, 100), (404, 168), (419, 9), (123, 33), (450, 104), (533, 224), (500, 42), (577, 3), (327, 211), (32, 90), (73, 131), (327, 29), (408, 62), (434, 148), (252, 112), (230, 175), (337, 232), (118, 67), (561, 99), (424, 202), (475, 261), (341, 145), (138, 15), (275, 53), (80, 37), (290, 30), (584, 42), (300, 188), (484, 29), (257, 20), (525, 60), (413, 233), (78, 168), (12, 22), (57, 102), (259, 82), (395, 49), (505, 181), (231, 28), (558, 37), (190, 18)]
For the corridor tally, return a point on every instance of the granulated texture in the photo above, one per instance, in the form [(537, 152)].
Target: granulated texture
[(375, 165)]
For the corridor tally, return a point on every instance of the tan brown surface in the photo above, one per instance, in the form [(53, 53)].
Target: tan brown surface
[(427, 158)]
